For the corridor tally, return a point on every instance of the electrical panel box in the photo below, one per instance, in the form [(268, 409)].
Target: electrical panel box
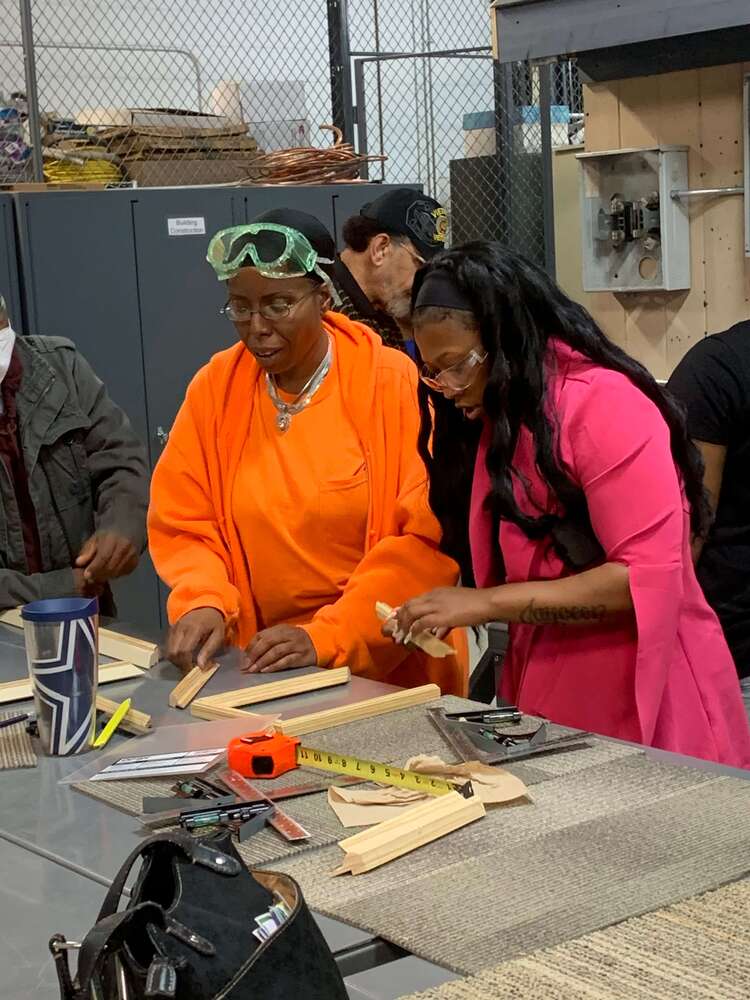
[(635, 235)]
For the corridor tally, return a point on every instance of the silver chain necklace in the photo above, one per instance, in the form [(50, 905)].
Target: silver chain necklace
[(285, 411)]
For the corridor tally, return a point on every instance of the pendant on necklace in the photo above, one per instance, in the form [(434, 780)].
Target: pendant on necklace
[(283, 420)]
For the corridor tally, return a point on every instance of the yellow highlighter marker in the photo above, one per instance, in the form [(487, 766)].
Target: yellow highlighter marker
[(119, 714)]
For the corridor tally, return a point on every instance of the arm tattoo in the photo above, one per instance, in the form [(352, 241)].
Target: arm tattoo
[(533, 615)]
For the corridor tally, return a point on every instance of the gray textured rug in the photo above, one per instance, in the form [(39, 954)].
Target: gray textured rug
[(16, 746), (697, 949), (391, 738), (595, 847)]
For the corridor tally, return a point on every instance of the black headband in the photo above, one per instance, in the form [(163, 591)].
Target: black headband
[(439, 290)]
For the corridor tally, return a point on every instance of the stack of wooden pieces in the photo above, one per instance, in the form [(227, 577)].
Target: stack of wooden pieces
[(417, 826)]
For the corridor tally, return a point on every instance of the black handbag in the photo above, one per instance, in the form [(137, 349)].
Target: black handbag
[(187, 932)]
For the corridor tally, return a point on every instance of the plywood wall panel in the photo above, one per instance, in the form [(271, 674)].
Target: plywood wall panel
[(701, 109), (685, 312), (602, 110), (645, 316), (720, 116)]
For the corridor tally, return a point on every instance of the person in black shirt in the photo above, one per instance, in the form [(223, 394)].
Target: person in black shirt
[(713, 382), (385, 246)]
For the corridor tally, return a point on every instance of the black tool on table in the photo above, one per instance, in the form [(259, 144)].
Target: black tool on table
[(243, 818), (15, 719), (484, 717), (488, 742)]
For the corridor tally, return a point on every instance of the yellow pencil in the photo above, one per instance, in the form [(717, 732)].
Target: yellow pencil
[(118, 715)]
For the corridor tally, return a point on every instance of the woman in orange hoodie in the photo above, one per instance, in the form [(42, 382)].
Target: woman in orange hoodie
[(290, 497)]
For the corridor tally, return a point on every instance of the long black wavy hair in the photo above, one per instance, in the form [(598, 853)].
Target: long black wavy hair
[(518, 308)]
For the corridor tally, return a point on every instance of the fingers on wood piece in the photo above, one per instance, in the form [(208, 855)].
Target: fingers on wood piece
[(415, 827), (380, 705), (426, 641), (227, 705), (184, 692)]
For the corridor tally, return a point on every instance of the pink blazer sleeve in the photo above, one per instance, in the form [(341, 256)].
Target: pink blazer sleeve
[(616, 444)]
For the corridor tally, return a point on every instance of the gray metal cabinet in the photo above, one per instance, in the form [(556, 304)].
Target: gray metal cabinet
[(78, 257), (79, 278), (124, 275), (179, 296), (9, 287), (316, 200)]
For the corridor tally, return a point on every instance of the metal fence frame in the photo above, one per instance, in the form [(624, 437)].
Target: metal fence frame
[(348, 105)]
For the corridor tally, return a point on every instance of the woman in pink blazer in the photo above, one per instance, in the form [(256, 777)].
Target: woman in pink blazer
[(568, 491)]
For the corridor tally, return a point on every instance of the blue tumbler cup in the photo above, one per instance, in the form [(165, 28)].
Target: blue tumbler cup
[(62, 653)]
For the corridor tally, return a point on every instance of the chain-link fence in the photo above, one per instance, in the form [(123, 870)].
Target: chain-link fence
[(146, 93)]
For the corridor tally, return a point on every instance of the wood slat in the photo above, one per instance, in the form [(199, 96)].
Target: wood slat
[(21, 689), (183, 693), (119, 646), (227, 705), (327, 719), (417, 826)]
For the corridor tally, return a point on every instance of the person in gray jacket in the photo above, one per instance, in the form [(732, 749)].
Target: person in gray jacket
[(73, 476)]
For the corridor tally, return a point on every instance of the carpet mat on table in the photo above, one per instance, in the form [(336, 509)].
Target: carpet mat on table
[(391, 738), (16, 747), (697, 949), (312, 811), (596, 846)]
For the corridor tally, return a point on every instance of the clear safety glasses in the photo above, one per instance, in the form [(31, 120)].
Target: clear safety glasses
[(457, 377)]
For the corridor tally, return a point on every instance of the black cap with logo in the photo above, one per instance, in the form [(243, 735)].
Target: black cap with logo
[(406, 212)]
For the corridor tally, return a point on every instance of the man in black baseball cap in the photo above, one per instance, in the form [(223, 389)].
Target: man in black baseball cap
[(386, 243)]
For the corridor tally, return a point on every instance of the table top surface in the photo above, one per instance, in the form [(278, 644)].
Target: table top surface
[(57, 844)]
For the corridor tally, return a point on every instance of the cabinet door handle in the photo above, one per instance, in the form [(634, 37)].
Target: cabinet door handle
[(162, 436)]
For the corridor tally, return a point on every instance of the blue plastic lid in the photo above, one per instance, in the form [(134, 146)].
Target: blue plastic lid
[(60, 609)]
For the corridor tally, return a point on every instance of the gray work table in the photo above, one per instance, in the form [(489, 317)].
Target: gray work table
[(61, 830), (38, 898)]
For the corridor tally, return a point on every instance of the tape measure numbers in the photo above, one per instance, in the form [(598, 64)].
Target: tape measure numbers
[(264, 755)]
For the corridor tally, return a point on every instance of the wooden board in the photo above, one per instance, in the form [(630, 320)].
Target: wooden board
[(427, 642), (417, 826), (227, 704), (602, 114), (327, 719), (21, 689), (135, 722), (183, 693), (201, 710), (119, 646)]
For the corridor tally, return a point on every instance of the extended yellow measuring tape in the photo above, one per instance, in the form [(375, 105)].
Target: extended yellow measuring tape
[(268, 755)]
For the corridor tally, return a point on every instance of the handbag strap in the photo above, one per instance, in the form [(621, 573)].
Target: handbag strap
[(196, 851), (107, 935)]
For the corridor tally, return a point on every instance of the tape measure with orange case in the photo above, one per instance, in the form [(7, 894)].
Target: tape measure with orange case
[(268, 755)]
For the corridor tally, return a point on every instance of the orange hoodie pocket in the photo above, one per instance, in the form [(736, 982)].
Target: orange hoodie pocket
[(342, 520)]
